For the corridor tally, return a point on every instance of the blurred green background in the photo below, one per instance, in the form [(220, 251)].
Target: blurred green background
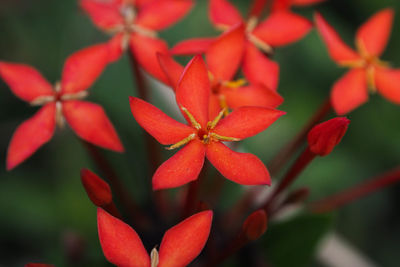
[(42, 203)]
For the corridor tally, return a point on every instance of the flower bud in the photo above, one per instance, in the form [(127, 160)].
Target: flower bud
[(255, 225), (97, 189), (326, 135)]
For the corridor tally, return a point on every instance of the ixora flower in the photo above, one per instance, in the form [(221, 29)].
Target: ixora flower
[(367, 72), (279, 28), (60, 102), (180, 245), (204, 137), (223, 59), (135, 23)]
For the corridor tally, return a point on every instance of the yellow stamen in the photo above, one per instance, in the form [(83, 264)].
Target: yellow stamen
[(371, 78), (234, 84), (182, 142), (223, 104), (143, 31), (41, 100), (154, 257), (260, 44), (76, 96), (223, 138), (193, 121), (222, 27), (211, 124), (353, 63), (60, 121), (251, 24), (362, 50)]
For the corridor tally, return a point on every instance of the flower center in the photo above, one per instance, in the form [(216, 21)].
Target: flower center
[(205, 135)]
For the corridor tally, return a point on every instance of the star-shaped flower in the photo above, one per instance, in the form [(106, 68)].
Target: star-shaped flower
[(367, 70), (180, 245), (60, 102), (204, 136), (223, 59), (279, 28), (135, 23)]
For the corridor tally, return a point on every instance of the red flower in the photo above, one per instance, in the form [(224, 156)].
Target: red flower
[(367, 70), (278, 29), (204, 137), (180, 245), (61, 102), (223, 58), (135, 24), (323, 137)]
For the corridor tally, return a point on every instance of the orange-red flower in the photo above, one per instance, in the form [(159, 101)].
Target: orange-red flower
[(180, 245), (204, 135), (135, 23), (223, 58), (279, 28), (368, 72), (60, 102)]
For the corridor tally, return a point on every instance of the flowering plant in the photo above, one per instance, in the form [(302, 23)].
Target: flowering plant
[(224, 157)]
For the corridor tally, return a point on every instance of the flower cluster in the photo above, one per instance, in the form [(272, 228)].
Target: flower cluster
[(226, 93)]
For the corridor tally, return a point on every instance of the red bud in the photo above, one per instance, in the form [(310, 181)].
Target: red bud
[(97, 189), (325, 136), (255, 225)]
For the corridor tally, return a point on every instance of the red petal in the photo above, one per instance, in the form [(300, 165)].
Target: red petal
[(104, 14), (252, 95), (278, 5), (90, 122), (337, 49), (145, 50), (259, 69), (388, 83), (39, 265), (244, 122), (181, 168), (224, 14), (282, 28), (158, 15), (349, 92), (257, 7), (156, 123), (31, 135), (24, 81), (215, 105), (374, 34), (96, 188), (242, 168), (193, 91), (182, 243), (172, 69), (192, 46), (83, 68), (120, 243), (115, 47), (141, 3), (255, 225), (224, 56)]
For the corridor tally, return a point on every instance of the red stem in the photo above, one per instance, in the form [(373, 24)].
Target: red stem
[(286, 153), (299, 165), (153, 148), (349, 195)]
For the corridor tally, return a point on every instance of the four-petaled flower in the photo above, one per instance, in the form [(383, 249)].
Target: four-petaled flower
[(204, 137), (180, 245), (223, 59), (135, 23), (60, 102), (279, 28), (367, 70)]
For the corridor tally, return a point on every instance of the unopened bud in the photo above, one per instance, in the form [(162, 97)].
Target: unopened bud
[(255, 225), (97, 189), (326, 135)]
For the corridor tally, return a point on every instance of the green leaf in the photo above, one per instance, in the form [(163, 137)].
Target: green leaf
[(293, 243)]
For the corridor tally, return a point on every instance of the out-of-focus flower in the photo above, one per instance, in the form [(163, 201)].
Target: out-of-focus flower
[(135, 24), (223, 58), (255, 225), (60, 102), (368, 72), (204, 137), (180, 245)]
